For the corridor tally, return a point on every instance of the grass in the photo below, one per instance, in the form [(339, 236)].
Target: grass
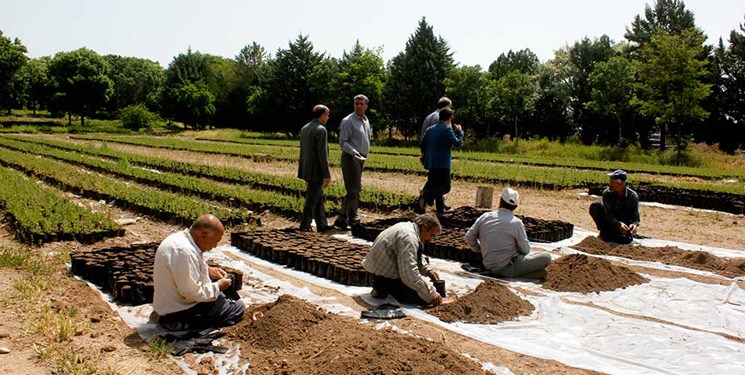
[(159, 348)]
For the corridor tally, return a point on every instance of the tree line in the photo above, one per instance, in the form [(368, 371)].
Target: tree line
[(661, 79)]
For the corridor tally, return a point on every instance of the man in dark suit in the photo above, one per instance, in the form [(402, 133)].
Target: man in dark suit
[(314, 168), (436, 147)]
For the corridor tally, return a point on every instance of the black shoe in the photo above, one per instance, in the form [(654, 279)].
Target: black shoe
[(421, 205), (340, 223), (325, 229)]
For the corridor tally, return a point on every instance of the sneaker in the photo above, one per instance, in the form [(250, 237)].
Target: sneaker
[(377, 294)]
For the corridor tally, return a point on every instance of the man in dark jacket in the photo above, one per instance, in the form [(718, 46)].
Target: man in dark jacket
[(436, 147), (314, 168), (617, 216)]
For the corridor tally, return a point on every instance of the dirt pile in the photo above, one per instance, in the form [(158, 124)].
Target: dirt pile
[(295, 337), (671, 255), (584, 274), (492, 302)]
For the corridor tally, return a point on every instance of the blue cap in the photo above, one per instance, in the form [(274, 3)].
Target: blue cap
[(618, 174)]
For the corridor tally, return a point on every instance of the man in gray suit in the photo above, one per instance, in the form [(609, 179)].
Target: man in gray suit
[(314, 168)]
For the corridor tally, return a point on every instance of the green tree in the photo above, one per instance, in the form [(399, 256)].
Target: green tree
[(612, 85), (37, 85), (670, 87), (288, 96), (668, 15), (550, 118), (194, 104), (12, 58), (513, 97), (136, 117), (574, 64), (733, 86), (524, 61), (468, 86), (80, 81), (135, 81), (361, 71), (253, 71), (417, 78)]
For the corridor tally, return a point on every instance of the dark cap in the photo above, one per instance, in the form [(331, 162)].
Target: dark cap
[(618, 174)]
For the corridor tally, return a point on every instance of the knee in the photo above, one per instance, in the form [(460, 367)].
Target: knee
[(596, 207)]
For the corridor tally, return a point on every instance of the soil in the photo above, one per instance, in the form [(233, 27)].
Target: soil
[(668, 255), (323, 343), (492, 302), (585, 274)]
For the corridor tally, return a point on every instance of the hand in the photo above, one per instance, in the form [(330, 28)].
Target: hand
[(458, 127), (633, 228), (436, 301), (217, 273), (224, 283), (623, 228), (433, 275), (447, 300), (326, 182), (357, 154)]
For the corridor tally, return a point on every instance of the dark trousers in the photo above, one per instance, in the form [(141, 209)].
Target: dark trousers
[(351, 169), (608, 230), (396, 288), (313, 208), (438, 184), (218, 313)]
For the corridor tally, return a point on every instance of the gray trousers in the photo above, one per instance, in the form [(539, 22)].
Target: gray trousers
[(313, 208), (351, 169), (218, 313), (524, 264)]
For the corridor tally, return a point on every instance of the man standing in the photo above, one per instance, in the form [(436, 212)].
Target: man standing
[(617, 217), (503, 243), (185, 295), (433, 117), (354, 138), (436, 147), (314, 168), (398, 266)]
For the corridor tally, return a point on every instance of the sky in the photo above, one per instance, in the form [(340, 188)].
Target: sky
[(476, 31)]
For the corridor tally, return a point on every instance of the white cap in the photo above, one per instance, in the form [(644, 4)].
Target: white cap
[(510, 196)]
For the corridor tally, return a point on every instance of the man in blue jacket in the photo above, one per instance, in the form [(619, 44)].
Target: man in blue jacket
[(437, 144)]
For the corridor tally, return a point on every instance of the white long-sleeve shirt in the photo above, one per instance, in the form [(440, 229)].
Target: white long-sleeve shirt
[(499, 236), (181, 275)]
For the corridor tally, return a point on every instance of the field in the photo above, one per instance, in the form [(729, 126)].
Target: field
[(103, 191)]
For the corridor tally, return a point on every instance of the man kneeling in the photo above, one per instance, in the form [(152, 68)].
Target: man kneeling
[(503, 243), (186, 297), (398, 266)]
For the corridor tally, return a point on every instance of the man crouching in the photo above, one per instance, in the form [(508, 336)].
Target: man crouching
[(186, 297)]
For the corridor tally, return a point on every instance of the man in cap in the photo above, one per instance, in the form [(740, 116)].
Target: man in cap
[(617, 216), (503, 243), (397, 265)]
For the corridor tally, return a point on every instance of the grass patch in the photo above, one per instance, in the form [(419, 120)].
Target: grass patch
[(159, 348)]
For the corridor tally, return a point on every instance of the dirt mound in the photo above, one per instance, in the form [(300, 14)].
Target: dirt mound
[(672, 255), (584, 274), (491, 303), (270, 329), (295, 337)]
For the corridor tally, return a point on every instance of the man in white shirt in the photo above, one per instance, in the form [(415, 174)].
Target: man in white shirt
[(186, 297), (503, 243)]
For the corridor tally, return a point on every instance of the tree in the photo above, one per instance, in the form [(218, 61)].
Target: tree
[(417, 78), (135, 81), (670, 87), (524, 61), (361, 71), (612, 89), (513, 96), (253, 71), (12, 58), (80, 81), (574, 65), (731, 61), (668, 15), (37, 84), (468, 86), (194, 104), (193, 69), (550, 118)]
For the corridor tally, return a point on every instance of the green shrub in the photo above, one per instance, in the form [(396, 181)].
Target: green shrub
[(136, 117)]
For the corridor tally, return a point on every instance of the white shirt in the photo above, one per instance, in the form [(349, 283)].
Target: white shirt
[(500, 237), (181, 275)]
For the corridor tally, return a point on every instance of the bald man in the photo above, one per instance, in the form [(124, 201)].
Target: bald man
[(314, 168), (188, 293)]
